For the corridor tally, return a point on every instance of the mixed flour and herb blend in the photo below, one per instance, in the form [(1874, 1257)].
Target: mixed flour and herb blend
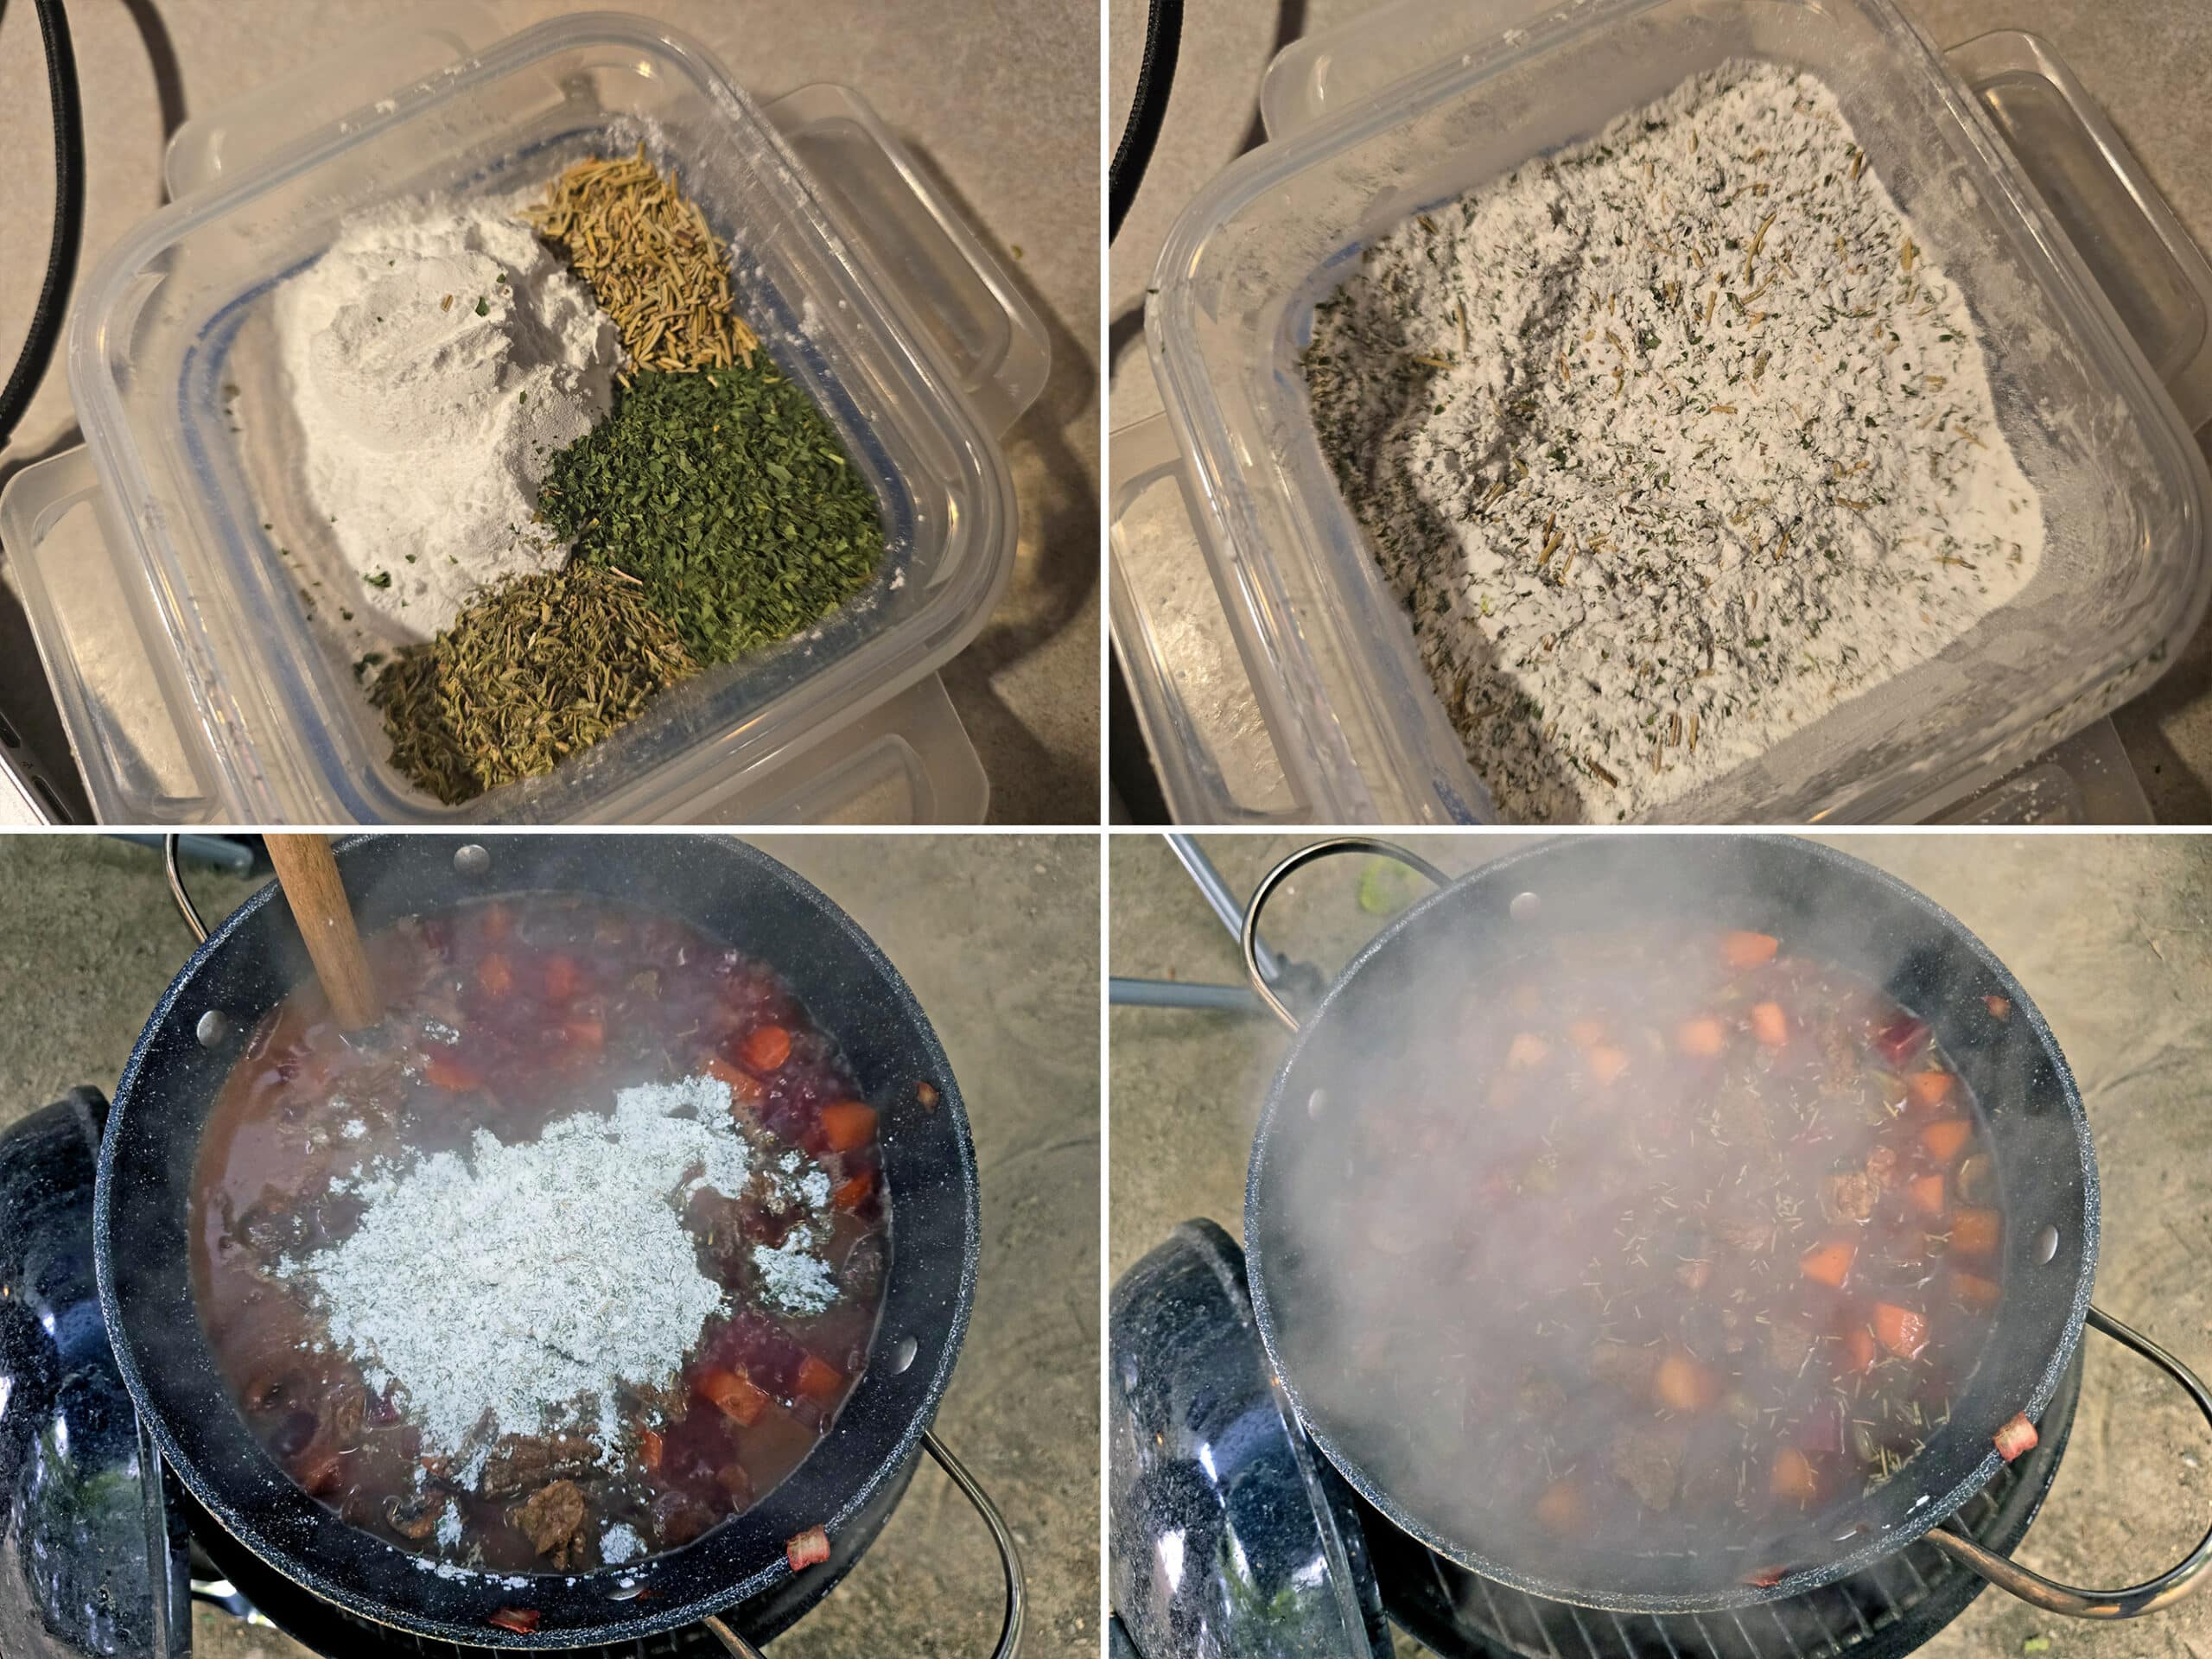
[(552, 472), (1670, 443)]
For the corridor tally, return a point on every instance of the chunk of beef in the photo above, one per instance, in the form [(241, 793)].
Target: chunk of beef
[(1649, 1457), (414, 1515), (1788, 1346), (552, 1519), (1746, 1238), (1849, 1195), (678, 1517), (1884, 1168), (1541, 1396), (1624, 1365), (521, 1461)]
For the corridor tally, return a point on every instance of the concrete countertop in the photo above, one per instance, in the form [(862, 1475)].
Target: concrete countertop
[(2111, 936), (998, 936), (2147, 62), (999, 101)]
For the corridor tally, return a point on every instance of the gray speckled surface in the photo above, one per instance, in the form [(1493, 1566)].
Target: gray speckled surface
[(2148, 62), (999, 100), (999, 937), (2112, 936)]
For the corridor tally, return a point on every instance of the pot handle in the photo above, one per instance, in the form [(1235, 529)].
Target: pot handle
[(1009, 1641), (169, 844), (1249, 935), (2148, 1596)]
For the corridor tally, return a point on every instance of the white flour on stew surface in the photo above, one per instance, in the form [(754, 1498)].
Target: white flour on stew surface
[(1670, 443)]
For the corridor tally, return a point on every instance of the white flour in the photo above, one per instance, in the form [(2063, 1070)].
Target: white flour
[(439, 356), (531, 1280), (1670, 443)]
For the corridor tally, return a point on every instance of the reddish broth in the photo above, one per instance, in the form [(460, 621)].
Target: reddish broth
[(1707, 1235), (557, 1000)]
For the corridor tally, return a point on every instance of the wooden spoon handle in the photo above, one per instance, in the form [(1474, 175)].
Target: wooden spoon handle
[(308, 876)]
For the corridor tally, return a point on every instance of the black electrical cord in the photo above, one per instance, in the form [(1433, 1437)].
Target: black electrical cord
[(68, 218), (1163, 36)]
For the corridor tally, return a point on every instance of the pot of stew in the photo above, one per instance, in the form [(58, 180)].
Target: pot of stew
[(593, 1290), (1676, 1223)]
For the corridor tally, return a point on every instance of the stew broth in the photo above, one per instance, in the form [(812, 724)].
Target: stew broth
[(508, 1017), (1674, 1240)]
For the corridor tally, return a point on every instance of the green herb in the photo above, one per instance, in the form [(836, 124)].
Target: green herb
[(727, 496), (2036, 1644), (536, 669), (378, 578), (482, 309)]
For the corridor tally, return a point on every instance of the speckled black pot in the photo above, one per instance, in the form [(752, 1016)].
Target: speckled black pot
[(1819, 900), (729, 892)]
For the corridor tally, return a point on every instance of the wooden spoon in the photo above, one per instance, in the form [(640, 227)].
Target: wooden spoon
[(308, 876)]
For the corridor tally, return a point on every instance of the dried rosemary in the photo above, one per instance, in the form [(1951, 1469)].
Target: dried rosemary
[(540, 667), (727, 495), (651, 261)]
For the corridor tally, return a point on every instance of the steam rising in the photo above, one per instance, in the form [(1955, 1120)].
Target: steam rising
[(1535, 1254)]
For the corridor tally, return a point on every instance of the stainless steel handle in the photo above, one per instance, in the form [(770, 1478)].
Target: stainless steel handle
[(2148, 1596), (1009, 1641), (1248, 937), (169, 843)]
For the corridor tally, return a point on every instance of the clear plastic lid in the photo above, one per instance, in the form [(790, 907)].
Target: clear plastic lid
[(193, 683), (1346, 708)]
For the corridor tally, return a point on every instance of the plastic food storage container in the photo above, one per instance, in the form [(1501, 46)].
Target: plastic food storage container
[(186, 674), (1274, 673)]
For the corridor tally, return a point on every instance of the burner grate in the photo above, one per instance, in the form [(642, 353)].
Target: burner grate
[(1883, 1613)]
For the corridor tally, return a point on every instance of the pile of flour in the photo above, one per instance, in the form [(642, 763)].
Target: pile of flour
[(439, 355), (1669, 443), (520, 1279)]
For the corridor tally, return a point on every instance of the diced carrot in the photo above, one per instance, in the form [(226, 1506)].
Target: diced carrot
[(585, 1034), (1900, 1329), (498, 922), (853, 1192), (1976, 1231), (1587, 1034), (735, 1396), (2016, 1437), (1560, 1509), (649, 1450), (2001, 1007), (1740, 950), (1859, 1349), (1946, 1138), (1703, 1036), (819, 1380), (1526, 1050), (493, 974), (849, 1125), (1929, 1090), (743, 1085), (1683, 1384), (521, 1620), (1830, 1263), (563, 979), (1770, 1025), (449, 1073), (806, 1550), (1765, 1578), (1928, 1193), (1974, 1290), (765, 1047), (1792, 1476), (1606, 1064)]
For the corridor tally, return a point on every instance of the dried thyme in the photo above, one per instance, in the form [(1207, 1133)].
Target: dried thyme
[(1679, 431), (538, 668), (651, 259), (727, 495)]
